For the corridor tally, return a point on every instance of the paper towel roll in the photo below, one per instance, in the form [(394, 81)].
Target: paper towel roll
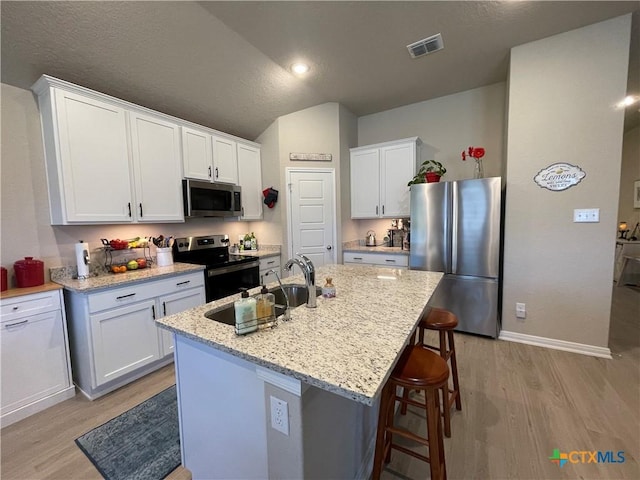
[(82, 259)]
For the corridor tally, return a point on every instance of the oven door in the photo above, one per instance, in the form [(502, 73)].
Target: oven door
[(232, 279)]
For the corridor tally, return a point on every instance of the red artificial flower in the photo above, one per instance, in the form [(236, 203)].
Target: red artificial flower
[(474, 152)]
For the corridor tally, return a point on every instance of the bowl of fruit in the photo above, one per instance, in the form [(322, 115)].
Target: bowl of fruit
[(136, 264), (118, 244)]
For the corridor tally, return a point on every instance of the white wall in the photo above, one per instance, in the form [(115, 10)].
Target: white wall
[(562, 94), (25, 225)]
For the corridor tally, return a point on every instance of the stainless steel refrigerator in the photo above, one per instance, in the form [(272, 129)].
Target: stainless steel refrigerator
[(456, 229)]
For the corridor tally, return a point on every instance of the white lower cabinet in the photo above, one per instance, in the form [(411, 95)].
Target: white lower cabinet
[(266, 264), (124, 339), (113, 334), (389, 260), (176, 303), (35, 362)]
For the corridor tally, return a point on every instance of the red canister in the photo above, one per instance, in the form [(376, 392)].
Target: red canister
[(3, 279), (29, 272)]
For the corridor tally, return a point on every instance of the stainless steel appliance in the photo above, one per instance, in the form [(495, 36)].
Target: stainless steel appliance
[(205, 199), (456, 229), (224, 274)]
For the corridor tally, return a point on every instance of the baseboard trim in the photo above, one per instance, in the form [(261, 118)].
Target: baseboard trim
[(591, 350)]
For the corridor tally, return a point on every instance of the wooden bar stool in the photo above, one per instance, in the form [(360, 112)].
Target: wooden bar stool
[(417, 369), (444, 321)]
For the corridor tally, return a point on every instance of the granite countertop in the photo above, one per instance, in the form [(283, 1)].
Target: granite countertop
[(258, 253), (379, 249), (347, 345), (110, 280)]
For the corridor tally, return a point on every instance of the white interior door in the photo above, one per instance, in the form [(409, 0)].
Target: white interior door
[(312, 214)]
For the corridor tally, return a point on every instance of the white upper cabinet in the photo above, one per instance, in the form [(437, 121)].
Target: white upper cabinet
[(365, 181), (197, 155), (379, 177), (155, 147), (250, 179), (87, 159), (111, 161), (225, 160)]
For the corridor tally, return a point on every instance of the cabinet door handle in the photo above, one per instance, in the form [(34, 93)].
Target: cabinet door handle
[(16, 308), (242, 211), (125, 296), (141, 210), (153, 311), (216, 172), (209, 171), (376, 210), (164, 309), (271, 262), (357, 258), (389, 260), (129, 206), (383, 209), (183, 283), (17, 323)]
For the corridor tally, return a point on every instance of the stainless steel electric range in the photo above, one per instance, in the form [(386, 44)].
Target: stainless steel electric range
[(224, 274)]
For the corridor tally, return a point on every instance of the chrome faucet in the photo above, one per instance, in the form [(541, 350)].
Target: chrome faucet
[(309, 272), (286, 316)]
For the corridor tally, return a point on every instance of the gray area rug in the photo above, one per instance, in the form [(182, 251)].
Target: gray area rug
[(143, 443)]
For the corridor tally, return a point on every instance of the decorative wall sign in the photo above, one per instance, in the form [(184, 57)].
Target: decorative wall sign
[(559, 176), (312, 157)]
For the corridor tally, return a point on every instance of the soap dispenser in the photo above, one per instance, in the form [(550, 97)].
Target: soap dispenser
[(265, 306), (245, 310)]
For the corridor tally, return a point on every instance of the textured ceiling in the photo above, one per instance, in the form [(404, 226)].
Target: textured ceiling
[(225, 64)]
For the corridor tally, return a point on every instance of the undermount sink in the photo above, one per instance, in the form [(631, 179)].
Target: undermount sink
[(297, 296)]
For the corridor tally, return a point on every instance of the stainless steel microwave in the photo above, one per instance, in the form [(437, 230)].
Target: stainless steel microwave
[(204, 199)]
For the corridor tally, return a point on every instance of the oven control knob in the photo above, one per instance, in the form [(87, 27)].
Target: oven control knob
[(181, 244)]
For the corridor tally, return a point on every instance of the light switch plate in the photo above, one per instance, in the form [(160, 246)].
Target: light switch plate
[(586, 215)]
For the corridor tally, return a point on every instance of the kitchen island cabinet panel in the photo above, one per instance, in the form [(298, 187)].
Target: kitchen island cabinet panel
[(155, 147)]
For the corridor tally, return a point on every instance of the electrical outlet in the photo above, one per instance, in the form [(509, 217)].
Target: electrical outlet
[(279, 415), (521, 311), (586, 215)]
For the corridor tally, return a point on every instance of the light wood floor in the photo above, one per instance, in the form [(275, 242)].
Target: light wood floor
[(519, 403)]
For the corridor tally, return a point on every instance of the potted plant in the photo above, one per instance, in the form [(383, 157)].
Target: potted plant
[(430, 171)]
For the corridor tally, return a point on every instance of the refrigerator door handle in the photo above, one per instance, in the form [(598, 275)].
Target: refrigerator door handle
[(454, 228)]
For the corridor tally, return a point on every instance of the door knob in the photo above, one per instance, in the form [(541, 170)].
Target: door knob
[(328, 247)]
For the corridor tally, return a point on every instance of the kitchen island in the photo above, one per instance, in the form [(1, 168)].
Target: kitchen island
[(328, 364)]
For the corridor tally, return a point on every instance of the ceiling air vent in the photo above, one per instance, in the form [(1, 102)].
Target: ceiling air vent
[(428, 45)]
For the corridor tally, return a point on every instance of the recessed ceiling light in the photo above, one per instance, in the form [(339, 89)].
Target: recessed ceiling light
[(630, 100), (300, 68)]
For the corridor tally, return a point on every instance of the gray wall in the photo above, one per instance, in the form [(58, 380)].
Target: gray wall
[(561, 96)]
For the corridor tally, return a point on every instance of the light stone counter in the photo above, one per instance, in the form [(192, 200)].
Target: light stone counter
[(109, 280), (347, 345), (379, 249), (258, 253)]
